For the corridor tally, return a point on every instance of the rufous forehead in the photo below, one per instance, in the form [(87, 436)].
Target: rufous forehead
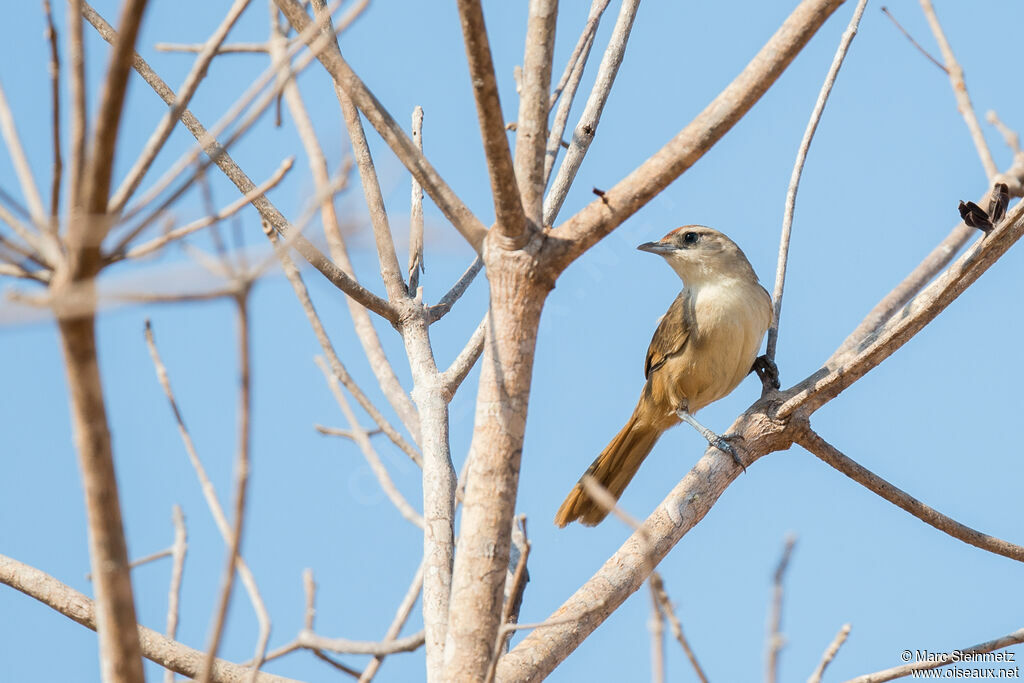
[(682, 229)]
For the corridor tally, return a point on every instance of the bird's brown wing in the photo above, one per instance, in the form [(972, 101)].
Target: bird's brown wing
[(671, 336)]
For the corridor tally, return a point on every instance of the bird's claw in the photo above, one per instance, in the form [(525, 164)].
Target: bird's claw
[(712, 438), (767, 371), (726, 447)]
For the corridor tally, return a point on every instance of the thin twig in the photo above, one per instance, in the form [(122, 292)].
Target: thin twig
[(450, 205), (22, 169), (245, 184), (337, 367), (234, 207), (453, 377), (28, 185), (165, 127), (178, 550), (847, 366), (592, 223), (401, 616), (344, 433), (885, 10), (416, 210), (582, 49), (587, 127), (155, 646), (656, 624), (361, 647), (390, 271), (776, 641), (309, 588), (831, 456), (207, 139), (372, 459), (365, 331), (438, 310), (210, 494), (79, 111), (225, 49), (1009, 135), (661, 596), (907, 669), (555, 141), (829, 654), (798, 168), (159, 555), (514, 591), (241, 485), (963, 100), (58, 163)]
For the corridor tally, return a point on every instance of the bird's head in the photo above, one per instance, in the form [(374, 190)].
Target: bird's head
[(700, 254)]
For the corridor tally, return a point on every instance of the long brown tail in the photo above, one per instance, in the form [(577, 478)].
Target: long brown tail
[(613, 469)]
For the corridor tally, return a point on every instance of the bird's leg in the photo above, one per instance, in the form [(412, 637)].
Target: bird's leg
[(712, 438), (767, 371)]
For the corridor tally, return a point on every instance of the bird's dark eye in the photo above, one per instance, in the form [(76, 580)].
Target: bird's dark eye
[(690, 238)]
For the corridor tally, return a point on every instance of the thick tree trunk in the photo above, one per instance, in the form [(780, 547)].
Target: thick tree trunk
[(120, 656), (518, 287)]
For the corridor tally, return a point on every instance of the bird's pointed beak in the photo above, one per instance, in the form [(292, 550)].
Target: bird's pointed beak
[(656, 248)]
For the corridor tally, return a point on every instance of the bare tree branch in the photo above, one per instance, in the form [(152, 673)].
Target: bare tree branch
[(231, 209), (566, 90), (28, 185), (178, 550), (105, 135), (585, 129), (337, 367), (656, 624), (158, 648), (776, 641), (368, 338), (361, 647), (603, 215), (886, 12), (532, 126), (963, 100), (626, 570), (55, 121), (845, 368), (829, 654), (416, 211), (798, 169), (362, 439), (401, 616), (450, 205), (29, 189), (166, 125), (452, 378), (661, 596), (210, 496), (79, 113), (860, 474), (581, 51), (442, 307), (508, 208), (905, 670), (389, 269), (241, 484), (245, 185)]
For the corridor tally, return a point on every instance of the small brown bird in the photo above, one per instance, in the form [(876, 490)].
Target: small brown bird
[(704, 346)]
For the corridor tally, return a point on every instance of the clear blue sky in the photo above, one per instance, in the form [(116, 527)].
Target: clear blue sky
[(890, 161)]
